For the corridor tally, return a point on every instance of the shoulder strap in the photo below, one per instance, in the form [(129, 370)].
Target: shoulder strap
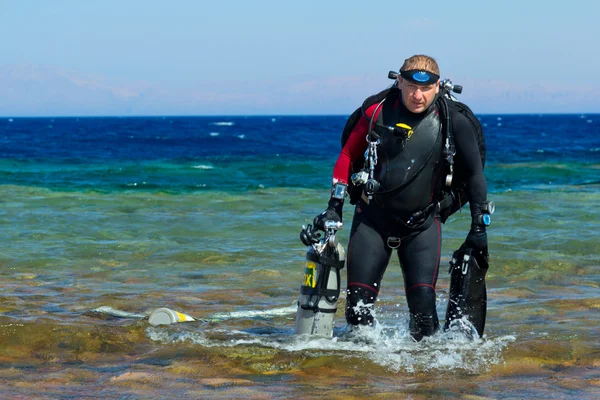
[(453, 188), (362, 111), (449, 147)]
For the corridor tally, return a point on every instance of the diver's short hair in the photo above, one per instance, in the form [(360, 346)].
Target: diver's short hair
[(421, 62)]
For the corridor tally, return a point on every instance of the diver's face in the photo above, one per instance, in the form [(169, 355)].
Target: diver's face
[(417, 98)]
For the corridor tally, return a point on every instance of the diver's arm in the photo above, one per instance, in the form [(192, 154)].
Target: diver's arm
[(353, 150), (467, 151)]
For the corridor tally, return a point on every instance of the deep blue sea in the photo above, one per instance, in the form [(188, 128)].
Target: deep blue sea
[(202, 215), (245, 153)]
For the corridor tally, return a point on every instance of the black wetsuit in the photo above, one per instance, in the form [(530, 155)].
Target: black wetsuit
[(409, 171)]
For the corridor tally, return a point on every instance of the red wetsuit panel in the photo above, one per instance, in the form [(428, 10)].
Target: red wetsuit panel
[(355, 147)]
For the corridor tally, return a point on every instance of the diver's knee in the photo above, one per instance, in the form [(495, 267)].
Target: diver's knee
[(421, 299), (359, 305)]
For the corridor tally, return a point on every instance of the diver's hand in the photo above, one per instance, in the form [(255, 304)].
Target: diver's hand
[(328, 215), (332, 213), (477, 238)]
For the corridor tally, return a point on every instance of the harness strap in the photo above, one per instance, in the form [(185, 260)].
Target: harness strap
[(320, 310), (438, 206), (319, 291), (444, 203), (331, 262)]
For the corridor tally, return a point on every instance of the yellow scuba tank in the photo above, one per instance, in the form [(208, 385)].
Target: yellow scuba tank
[(320, 289)]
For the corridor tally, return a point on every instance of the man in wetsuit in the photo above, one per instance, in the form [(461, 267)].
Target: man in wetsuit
[(401, 213)]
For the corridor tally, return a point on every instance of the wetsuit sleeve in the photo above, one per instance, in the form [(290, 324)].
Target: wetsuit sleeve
[(467, 151), (353, 150)]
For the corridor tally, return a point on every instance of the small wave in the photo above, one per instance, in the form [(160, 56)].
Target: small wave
[(112, 312), (595, 149), (203, 166), (590, 183), (388, 346), (256, 313), (589, 121), (241, 136), (214, 134), (162, 335), (223, 123), (10, 120)]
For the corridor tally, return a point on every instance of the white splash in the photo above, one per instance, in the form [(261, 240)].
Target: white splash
[(214, 134), (390, 347), (255, 313), (203, 166), (160, 334), (116, 313), (385, 344), (223, 123)]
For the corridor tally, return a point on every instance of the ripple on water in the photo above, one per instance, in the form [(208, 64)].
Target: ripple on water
[(389, 347)]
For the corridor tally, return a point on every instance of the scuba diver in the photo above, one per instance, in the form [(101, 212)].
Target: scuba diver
[(400, 143)]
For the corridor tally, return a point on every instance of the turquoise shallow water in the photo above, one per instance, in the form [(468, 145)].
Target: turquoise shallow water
[(64, 253)]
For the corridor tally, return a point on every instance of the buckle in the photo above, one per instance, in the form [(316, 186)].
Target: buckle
[(393, 242)]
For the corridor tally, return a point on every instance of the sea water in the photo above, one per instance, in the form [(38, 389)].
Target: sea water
[(202, 215)]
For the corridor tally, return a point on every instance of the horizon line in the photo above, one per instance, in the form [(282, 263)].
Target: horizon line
[(262, 115)]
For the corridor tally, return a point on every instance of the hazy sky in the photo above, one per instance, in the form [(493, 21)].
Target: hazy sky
[(274, 57)]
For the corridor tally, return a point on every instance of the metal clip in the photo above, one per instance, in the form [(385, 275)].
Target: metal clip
[(360, 178), (465, 265), (395, 240)]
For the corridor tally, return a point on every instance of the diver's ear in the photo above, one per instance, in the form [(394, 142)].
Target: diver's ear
[(437, 87), (400, 80)]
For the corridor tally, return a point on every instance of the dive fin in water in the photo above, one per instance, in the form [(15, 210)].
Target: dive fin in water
[(468, 295)]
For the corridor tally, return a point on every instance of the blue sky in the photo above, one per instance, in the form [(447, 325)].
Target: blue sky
[(271, 57)]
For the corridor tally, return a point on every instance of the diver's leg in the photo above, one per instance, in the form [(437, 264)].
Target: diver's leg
[(420, 259), (368, 257)]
